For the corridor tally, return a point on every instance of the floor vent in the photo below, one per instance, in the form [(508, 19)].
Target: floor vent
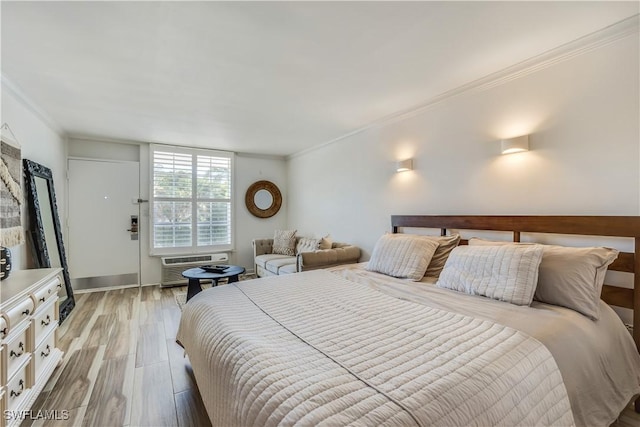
[(172, 267)]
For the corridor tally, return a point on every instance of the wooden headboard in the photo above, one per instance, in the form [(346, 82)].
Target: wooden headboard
[(607, 226)]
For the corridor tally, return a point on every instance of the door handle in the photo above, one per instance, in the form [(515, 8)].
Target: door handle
[(134, 227)]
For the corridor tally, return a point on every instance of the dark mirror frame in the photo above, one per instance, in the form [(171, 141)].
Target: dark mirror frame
[(33, 170), (249, 199)]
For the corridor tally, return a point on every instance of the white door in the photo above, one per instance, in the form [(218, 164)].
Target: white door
[(102, 201)]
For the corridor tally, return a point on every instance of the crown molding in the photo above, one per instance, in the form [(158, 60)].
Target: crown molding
[(592, 41), (96, 138), (93, 138), (19, 94), (261, 156)]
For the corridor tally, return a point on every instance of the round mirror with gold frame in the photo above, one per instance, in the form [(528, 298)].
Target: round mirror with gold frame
[(263, 199)]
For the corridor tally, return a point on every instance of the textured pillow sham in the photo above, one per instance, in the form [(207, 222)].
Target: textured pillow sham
[(402, 255), (284, 242), (506, 273), (307, 244), (445, 245), (569, 277)]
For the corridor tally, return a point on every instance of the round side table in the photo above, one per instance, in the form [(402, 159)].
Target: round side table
[(196, 274)]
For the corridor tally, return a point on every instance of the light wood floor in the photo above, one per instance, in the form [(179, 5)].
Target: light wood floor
[(122, 366)]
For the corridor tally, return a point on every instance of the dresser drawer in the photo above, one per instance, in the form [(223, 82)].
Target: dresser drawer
[(17, 390), (19, 313), (44, 322), (46, 292), (16, 350), (42, 354)]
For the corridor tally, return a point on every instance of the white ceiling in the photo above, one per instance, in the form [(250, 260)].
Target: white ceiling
[(266, 77)]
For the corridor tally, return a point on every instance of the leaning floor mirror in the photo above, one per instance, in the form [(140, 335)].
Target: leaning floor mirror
[(44, 225)]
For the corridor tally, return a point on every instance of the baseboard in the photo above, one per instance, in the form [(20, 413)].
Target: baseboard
[(101, 282), (106, 288)]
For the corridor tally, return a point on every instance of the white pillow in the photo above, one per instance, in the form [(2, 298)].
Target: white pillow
[(507, 273), (307, 244), (326, 242), (569, 277), (402, 255)]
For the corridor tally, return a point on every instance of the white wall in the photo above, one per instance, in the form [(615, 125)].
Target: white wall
[(248, 169), (583, 117), (41, 142)]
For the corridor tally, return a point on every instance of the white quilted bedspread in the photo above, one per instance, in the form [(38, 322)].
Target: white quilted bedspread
[(317, 349)]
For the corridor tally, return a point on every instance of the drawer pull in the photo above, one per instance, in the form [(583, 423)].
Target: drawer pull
[(41, 299), (43, 354), (43, 323), (3, 332), (26, 312), (14, 354), (19, 392), (59, 286)]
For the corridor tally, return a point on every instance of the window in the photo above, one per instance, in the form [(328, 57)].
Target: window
[(191, 203)]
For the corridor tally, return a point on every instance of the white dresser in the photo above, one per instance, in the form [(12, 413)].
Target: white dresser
[(28, 346)]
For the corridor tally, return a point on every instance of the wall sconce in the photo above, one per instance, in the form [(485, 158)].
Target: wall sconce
[(404, 165), (515, 145)]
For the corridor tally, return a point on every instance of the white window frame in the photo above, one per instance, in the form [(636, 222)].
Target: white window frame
[(194, 248)]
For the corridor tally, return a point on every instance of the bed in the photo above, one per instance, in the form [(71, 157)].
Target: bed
[(352, 346)]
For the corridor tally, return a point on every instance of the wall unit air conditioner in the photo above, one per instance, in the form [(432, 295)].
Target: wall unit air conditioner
[(172, 267)]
